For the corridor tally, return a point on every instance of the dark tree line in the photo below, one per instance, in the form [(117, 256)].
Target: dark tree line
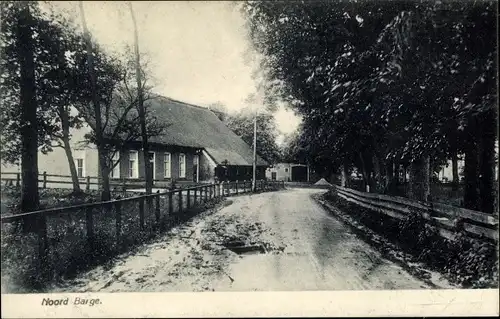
[(387, 84)]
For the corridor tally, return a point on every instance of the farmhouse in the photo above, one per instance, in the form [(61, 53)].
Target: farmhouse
[(196, 147)]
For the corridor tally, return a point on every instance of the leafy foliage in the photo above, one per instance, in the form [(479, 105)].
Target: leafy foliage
[(378, 83), (57, 86), (242, 124)]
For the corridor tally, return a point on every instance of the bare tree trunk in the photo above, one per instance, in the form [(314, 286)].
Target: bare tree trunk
[(105, 177), (454, 165), (420, 179), (30, 200), (390, 181), (106, 192), (378, 174), (64, 116), (345, 174), (364, 172), (71, 162), (471, 168), (487, 163), (142, 113)]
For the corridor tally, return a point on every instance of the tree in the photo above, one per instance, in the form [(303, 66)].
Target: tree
[(19, 108), (54, 40), (101, 151), (219, 109), (384, 84), (140, 101), (118, 100), (242, 124), (30, 200)]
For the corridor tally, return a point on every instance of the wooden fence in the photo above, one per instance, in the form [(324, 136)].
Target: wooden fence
[(53, 180), (448, 219), (115, 219)]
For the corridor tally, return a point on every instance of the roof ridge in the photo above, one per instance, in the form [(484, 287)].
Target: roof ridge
[(182, 102)]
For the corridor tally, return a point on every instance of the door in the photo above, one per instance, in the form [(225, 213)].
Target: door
[(273, 176), (299, 174), (196, 168)]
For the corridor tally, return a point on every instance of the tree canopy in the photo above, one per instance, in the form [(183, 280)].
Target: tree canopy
[(379, 83)]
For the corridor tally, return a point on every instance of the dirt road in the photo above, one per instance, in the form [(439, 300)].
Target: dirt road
[(305, 249)]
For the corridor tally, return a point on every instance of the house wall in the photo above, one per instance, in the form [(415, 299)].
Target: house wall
[(56, 161), (283, 171), (159, 168)]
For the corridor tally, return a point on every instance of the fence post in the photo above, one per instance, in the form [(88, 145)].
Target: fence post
[(44, 179), (157, 210), (195, 195), (205, 190), (236, 187), (170, 203), (141, 212), (118, 214), (188, 198), (87, 187), (18, 179), (210, 192)]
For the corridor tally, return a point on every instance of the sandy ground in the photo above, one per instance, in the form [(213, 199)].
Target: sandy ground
[(305, 249)]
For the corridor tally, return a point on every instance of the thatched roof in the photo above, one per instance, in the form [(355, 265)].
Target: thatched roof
[(199, 127)]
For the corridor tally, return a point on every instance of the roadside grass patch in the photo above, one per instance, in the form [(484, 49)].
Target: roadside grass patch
[(469, 262)]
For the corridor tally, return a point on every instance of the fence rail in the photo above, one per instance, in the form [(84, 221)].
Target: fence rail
[(14, 179), (64, 229), (448, 219)]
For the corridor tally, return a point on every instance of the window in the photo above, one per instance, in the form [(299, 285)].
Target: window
[(167, 165), (115, 172), (79, 167), (182, 166), (133, 164), (286, 170)]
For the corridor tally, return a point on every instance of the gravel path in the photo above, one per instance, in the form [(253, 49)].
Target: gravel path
[(304, 248)]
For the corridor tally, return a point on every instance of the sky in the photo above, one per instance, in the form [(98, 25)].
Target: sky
[(198, 51)]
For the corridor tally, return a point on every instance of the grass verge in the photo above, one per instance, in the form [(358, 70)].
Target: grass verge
[(70, 252)]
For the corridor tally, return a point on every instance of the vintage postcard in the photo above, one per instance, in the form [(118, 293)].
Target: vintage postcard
[(249, 158)]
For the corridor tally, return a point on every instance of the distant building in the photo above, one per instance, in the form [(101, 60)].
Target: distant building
[(288, 172)]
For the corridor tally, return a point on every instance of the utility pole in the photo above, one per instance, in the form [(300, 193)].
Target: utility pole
[(254, 151)]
